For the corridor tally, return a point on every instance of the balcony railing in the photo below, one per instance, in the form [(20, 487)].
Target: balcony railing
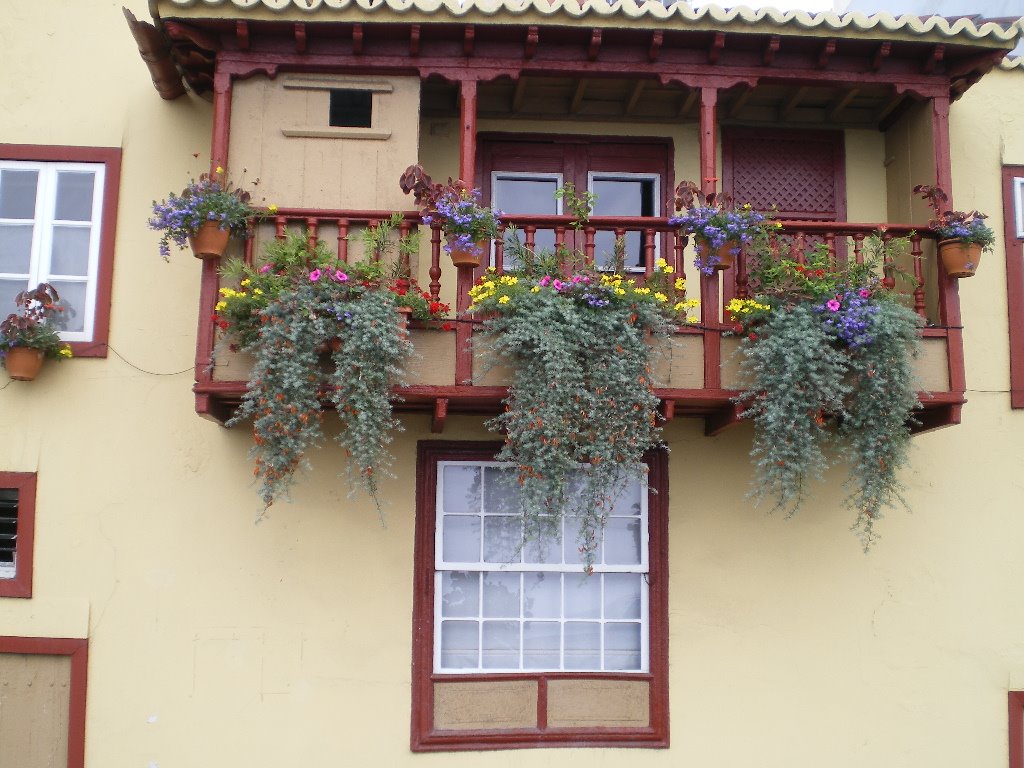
[(697, 377)]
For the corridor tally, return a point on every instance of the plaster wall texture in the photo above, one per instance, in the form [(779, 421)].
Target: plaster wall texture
[(214, 640)]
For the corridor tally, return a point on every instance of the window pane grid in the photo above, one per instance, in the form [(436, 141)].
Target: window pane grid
[(597, 623)]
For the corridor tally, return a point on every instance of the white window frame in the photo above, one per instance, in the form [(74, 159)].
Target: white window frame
[(43, 225), (633, 176), (1018, 204), (441, 566)]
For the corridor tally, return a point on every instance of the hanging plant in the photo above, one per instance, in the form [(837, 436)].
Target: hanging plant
[(581, 393), (296, 308), (828, 357)]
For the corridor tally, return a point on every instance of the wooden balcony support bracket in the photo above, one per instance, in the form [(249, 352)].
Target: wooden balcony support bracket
[(657, 38), (531, 43), (468, 40), (198, 37), (881, 55), (793, 103), (827, 50), (715, 49), (577, 95), (744, 92), (519, 95), (357, 39), (890, 112), (938, 53), (725, 417), (842, 103), (300, 38), (634, 96), (688, 102), (595, 44), (242, 34), (440, 415), (770, 50), (414, 40), (667, 410)]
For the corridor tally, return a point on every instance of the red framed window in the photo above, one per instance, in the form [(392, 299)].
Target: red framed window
[(42, 703), (514, 646), (58, 209), (17, 532), (1013, 236)]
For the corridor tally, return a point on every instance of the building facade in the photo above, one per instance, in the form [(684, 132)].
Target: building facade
[(153, 613)]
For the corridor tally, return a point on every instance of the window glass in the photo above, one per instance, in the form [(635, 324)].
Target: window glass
[(18, 193), (530, 194), (503, 606), (622, 195)]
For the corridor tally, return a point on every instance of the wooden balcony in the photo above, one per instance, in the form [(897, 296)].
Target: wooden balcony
[(696, 370)]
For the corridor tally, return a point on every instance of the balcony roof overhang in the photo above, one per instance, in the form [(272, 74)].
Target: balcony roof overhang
[(492, 38)]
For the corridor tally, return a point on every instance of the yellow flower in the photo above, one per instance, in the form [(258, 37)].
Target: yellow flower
[(220, 306), (680, 284), (247, 281), (535, 289), (643, 291), (620, 291), (257, 292), (692, 319), (65, 351), (660, 296), (668, 270), (661, 263), (220, 169), (504, 300), (272, 208), (492, 269)]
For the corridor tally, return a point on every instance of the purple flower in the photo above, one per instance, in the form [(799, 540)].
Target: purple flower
[(314, 275), (264, 269), (833, 305), (864, 293), (339, 276)]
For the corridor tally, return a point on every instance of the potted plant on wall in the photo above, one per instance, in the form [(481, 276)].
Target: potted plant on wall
[(963, 235), (827, 357), (204, 216), (321, 332), (581, 393), (468, 225), (32, 334), (719, 228)]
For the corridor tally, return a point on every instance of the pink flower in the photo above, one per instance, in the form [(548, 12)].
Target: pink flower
[(264, 269), (863, 293), (314, 275), (558, 285), (833, 305), (339, 276), (545, 281)]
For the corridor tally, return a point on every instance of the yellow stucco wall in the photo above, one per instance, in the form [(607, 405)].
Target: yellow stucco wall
[(217, 641)]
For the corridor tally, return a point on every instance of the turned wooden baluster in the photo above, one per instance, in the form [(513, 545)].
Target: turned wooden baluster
[(915, 254), (435, 263), (830, 241), (342, 240), (248, 247), (375, 256), (741, 273), (499, 251), (797, 249), (858, 247), (679, 241), (403, 255), (530, 233), (559, 246), (589, 234), (889, 281), (279, 226), (312, 229), (620, 236), (648, 251)]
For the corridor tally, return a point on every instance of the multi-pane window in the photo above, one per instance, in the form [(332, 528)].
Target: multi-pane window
[(50, 222), (505, 605), (8, 531), (17, 532)]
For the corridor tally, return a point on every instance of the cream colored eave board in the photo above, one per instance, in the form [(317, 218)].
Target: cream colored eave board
[(598, 13)]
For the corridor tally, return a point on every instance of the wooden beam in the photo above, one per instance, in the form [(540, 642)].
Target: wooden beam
[(577, 95), (771, 49), (718, 422), (842, 103), (742, 97), (668, 410), (794, 101), (687, 104), (519, 95), (468, 40), (634, 97), (242, 34), (440, 415), (414, 40), (357, 39), (890, 105), (655, 48), (938, 54), (826, 53), (881, 55), (532, 39), (715, 50), (595, 45), (300, 38)]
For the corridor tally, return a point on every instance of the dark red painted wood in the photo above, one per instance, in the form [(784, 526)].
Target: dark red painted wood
[(78, 650), (1015, 719), (424, 738), (25, 483), (1014, 286)]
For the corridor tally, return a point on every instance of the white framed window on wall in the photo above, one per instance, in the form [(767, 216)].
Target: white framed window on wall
[(1018, 205), (530, 193), (57, 213), (502, 606), (625, 194)]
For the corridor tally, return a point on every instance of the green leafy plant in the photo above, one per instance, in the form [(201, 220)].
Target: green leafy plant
[(300, 306), (828, 359), (37, 323), (968, 226), (581, 393), (580, 205)]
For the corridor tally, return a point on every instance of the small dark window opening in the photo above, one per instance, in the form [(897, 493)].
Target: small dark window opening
[(8, 524), (351, 109)]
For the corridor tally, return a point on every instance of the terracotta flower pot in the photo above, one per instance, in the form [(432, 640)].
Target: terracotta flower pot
[(210, 241), (726, 257), (23, 363), (404, 316), (959, 258), (463, 257)]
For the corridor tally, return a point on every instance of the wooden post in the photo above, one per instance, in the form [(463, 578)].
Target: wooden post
[(464, 281), (710, 313)]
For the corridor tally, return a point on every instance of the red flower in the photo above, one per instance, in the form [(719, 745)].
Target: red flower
[(819, 273), (752, 336), (447, 327), (799, 267)]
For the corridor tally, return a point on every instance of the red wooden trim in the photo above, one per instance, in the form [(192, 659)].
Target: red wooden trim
[(111, 159), (424, 738), (1016, 728), (78, 650), (709, 284), (25, 483), (1014, 286)]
